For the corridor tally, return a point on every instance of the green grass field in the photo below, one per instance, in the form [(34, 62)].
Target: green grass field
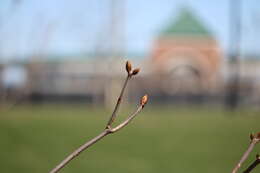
[(160, 139)]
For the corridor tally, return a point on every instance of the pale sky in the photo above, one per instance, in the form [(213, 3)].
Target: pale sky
[(81, 26)]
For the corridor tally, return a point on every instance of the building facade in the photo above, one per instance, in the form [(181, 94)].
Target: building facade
[(188, 55)]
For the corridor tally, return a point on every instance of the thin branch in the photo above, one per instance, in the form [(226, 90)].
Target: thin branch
[(143, 102), (130, 73), (108, 129), (127, 121), (95, 139), (253, 165), (79, 150), (119, 100), (254, 141)]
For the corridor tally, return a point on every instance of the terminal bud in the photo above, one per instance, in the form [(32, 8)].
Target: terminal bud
[(128, 67), (144, 100)]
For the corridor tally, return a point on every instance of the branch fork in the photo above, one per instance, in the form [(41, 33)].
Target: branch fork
[(108, 128), (254, 139)]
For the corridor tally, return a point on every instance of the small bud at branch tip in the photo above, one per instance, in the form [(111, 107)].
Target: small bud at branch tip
[(144, 100), (128, 67), (135, 71)]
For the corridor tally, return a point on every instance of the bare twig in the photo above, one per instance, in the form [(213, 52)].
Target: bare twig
[(108, 129), (254, 140), (124, 123), (95, 139), (119, 100), (79, 150), (253, 165)]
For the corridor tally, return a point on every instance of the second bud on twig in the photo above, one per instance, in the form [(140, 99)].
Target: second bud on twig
[(136, 71), (128, 67)]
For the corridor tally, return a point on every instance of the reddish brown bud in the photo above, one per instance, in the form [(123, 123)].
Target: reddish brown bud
[(144, 100), (252, 136), (128, 67), (135, 71), (258, 135)]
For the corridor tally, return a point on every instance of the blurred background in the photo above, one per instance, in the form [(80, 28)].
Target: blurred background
[(62, 66)]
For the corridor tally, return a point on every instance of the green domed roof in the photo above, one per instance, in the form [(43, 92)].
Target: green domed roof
[(186, 24)]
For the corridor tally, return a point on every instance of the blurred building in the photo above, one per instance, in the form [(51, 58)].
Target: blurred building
[(187, 56), (185, 64), (89, 79)]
